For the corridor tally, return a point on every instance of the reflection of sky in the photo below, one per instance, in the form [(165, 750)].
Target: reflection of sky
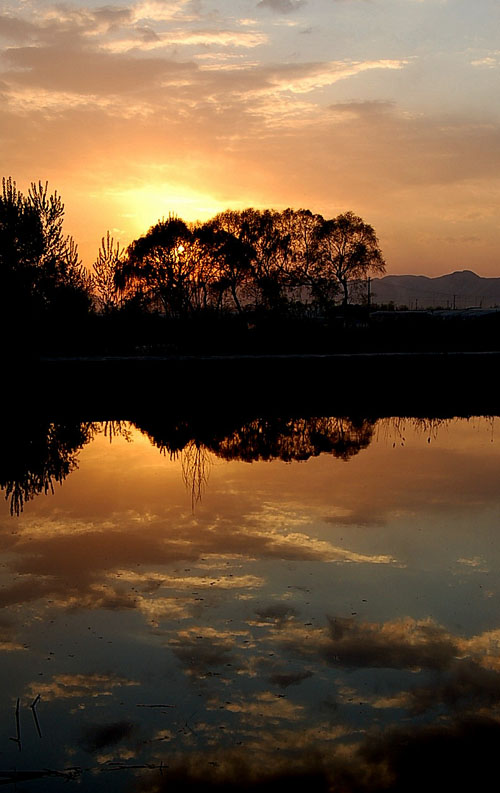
[(321, 608)]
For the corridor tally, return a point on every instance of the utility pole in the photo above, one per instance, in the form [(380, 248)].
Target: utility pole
[(369, 295)]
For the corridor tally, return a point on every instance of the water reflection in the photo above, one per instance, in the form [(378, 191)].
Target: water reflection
[(39, 454), (312, 622)]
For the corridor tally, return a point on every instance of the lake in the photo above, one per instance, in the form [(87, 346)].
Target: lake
[(272, 604)]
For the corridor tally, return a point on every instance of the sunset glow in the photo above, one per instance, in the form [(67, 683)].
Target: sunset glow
[(135, 110)]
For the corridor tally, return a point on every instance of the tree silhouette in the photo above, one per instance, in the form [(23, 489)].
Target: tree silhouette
[(231, 262), (348, 249), (40, 272), (159, 266), (21, 247), (108, 262)]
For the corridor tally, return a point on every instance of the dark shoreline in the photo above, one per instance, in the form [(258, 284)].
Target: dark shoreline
[(364, 384)]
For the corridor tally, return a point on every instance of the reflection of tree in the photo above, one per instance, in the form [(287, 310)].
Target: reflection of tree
[(36, 455), (259, 439), (195, 469), (397, 427), (296, 439)]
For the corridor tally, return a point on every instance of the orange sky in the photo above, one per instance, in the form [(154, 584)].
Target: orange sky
[(387, 108)]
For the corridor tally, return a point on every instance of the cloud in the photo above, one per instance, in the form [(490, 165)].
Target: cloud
[(159, 10), (282, 6), (307, 77), (17, 30), (148, 40), (97, 73)]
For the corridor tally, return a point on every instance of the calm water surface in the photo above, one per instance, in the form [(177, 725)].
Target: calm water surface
[(226, 613)]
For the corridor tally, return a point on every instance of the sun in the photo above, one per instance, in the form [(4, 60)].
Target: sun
[(139, 208)]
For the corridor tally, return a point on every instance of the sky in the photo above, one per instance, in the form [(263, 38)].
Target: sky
[(387, 108)]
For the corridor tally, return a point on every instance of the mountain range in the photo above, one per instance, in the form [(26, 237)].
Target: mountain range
[(461, 289)]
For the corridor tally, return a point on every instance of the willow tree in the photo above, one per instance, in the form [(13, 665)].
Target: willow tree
[(348, 250)]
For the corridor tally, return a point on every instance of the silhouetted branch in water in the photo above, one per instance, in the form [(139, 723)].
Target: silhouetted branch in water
[(116, 766), (11, 777), (35, 716), (17, 739)]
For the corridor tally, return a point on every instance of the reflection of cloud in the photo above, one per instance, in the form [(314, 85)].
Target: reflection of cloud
[(213, 581), (8, 629), (199, 655), (458, 755), (98, 737), (401, 644), (275, 613), (284, 679), (160, 608), (117, 563), (265, 707), (70, 686)]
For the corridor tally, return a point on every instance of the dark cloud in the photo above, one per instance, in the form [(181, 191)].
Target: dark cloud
[(281, 6)]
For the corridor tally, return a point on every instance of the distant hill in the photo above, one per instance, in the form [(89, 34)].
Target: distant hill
[(462, 289)]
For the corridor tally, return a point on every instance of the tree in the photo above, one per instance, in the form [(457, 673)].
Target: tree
[(105, 267), (21, 248), (42, 279), (348, 249), (159, 266), (230, 260), (60, 274)]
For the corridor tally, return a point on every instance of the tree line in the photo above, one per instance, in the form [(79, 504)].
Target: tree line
[(239, 261)]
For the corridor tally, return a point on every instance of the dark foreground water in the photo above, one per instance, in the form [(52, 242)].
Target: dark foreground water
[(286, 605)]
